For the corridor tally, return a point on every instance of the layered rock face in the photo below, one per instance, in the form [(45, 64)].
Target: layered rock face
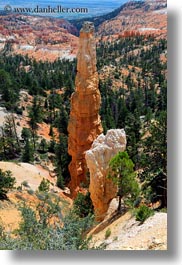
[(84, 124), (102, 189)]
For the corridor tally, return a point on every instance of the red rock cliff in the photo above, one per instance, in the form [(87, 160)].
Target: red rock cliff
[(84, 124)]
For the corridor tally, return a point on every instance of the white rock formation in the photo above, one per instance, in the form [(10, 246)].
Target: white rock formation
[(102, 190)]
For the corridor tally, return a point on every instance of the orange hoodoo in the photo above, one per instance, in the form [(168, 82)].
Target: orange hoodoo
[(84, 123)]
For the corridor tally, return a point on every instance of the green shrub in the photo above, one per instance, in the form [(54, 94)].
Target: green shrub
[(31, 192), (25, 184), (83, 205), (107, 233), (143, 212), (163, 210), (44, 185), (37, 233)]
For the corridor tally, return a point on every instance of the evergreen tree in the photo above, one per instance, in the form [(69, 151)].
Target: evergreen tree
[(7, 90), (62, 161), (44, 185), (154, 160), (43, 146), (132, 128), (121, 172), (9, 141), (60, 180), (83, 205), (6, 183), (28, 152), (62, 121), (26, 133), (35, 117)]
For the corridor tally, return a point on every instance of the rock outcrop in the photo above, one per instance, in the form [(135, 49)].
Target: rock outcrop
[(84, 124), (102, 189)]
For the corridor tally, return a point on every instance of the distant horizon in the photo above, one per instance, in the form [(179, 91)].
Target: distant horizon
[(95, 8)]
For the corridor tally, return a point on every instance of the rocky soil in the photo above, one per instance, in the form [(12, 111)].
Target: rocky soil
[(129, 234)]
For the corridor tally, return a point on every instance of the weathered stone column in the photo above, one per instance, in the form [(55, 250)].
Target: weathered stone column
[(84, 124), (103, 190)]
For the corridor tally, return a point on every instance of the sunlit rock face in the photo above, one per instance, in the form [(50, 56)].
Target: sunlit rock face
[(102, 189)]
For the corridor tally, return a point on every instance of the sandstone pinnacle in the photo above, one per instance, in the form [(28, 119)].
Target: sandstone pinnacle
[(84, 123)]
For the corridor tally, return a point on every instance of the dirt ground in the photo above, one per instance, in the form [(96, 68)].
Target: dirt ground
[(10, 216), (26, 172)]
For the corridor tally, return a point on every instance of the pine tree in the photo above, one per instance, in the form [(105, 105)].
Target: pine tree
[(44, 185), (35, 117), (28, 153), (62, 159), (154, 160), (6, 183), (7, 90), (63, 120), (9, 143), (121, 172)]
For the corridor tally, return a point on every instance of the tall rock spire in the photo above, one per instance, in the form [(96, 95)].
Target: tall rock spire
[(84, 123)]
